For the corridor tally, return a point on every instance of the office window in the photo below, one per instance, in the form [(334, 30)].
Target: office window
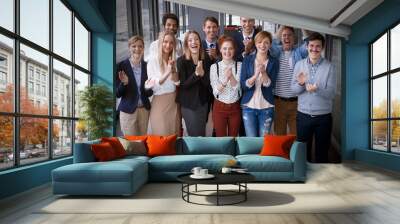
[(385, 94), (45, 107)]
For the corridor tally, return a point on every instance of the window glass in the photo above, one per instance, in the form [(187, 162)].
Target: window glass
[(6, 142), (62, 142), (379, 56), (31, 58), (81, 81), (62, 91), (35, 21), (379, 135), (379, 98), (62, 29), (34, 144), (81, 45), (7, 14), (395, 95), (395, 47), (6, 74)]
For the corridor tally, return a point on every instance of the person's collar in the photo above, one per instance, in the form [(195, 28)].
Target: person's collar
[(318, 62), (251, 35), (214, 42)]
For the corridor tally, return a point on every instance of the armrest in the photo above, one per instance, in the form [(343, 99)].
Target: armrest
[(83, 152), (299, 159)]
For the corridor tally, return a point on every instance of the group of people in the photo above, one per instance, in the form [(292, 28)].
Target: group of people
[(248, 79)]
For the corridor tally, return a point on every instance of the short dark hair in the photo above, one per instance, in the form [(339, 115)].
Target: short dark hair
[(211, 19), (317, 36), (169, 16)]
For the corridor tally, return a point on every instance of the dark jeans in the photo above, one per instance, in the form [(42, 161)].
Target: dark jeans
[(318, 127)]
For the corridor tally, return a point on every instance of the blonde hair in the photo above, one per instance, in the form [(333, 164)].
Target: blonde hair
[(161, 38), (135, 38), (188, 54)]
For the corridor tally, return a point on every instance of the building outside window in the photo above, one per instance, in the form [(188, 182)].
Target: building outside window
[(385, 94)]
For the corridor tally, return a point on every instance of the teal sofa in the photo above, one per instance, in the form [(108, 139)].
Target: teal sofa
[(125, 176)]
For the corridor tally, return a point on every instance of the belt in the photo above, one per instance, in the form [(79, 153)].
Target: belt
[(286, 99)]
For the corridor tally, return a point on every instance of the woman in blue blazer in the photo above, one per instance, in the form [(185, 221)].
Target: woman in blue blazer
[(257, 79), (135, 105)]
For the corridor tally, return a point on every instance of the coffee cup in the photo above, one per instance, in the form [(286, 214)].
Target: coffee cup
[(226, 170), (196, 171), (203, 172)]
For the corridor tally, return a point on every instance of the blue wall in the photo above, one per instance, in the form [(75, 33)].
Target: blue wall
[(356, 86), (99, 16)]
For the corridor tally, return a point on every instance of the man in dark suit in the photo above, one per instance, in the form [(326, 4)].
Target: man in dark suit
[(245, 39), (135, 105), (210, 43)]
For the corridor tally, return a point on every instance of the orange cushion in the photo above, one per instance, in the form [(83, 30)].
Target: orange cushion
[(103, 151), (277, 145), (135, 138), (161, 145), (116, 145)]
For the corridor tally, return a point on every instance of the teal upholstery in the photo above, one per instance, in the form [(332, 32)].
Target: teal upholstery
[(126, 175), (208, 145), (249, 145)]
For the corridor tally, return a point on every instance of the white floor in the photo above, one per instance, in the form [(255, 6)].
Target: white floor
[(377, 189)]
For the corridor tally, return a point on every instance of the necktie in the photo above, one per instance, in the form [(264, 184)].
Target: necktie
[(212, 45)]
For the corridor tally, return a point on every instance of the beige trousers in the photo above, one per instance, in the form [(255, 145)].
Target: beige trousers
[(136, 123)]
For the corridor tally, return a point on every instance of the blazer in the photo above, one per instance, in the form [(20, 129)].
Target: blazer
[(248, 71), (129, 94), (238, 37), (194, 91)]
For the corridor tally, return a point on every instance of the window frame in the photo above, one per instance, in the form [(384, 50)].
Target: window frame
[(388, 74), (16, 115)]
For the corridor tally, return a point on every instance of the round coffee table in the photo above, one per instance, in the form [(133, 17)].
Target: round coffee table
[(238, 179)]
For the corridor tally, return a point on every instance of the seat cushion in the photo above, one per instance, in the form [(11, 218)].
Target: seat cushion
[(185, 163), (207, 145), (249, 145), (257, 163), (112, 171)]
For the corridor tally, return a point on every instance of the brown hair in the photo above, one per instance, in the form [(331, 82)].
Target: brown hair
[(188, 54), (135, 38), (262, 35), (225, 38), (167, 16), (316, 36), (211, 19)]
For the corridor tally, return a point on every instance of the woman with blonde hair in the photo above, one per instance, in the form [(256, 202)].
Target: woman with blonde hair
[(163, 80), (194, 91)]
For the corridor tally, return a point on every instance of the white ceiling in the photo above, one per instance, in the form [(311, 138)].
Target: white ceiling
[(316, 15)]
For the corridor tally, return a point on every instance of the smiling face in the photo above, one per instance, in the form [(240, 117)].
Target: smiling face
[(227, 50), (247, 24), (171, 26), (193, 43), (168, 44), (287, 39), (314, 48), (136, 49), (263, 45), (211, 30)]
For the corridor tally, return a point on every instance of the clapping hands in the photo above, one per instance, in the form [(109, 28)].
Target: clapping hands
[(123, 77), (199, 69)]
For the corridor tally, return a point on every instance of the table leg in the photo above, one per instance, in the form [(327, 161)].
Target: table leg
[(217, 194)]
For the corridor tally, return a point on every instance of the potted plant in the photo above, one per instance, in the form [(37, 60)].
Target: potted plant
[(96, 102)]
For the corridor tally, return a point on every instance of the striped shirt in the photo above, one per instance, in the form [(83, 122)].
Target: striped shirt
[(285, 74)]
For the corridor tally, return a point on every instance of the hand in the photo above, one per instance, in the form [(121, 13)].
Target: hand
[(212, 52), (259, 69), (311, 87), (149, 84), (123, 77), (171, 66), (265, 78), (248, 46), (302, 78), (228, 72), (199, 69)]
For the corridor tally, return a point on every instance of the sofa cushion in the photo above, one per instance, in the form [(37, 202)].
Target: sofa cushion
[(185, 163), (103, 152), (249, 145), (161, 145), (277, 145), (116, 145), (134, 147), (257, 163), (207, 145)]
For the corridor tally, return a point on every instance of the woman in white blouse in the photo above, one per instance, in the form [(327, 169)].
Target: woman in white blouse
[(163, 79), (225, 83)]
